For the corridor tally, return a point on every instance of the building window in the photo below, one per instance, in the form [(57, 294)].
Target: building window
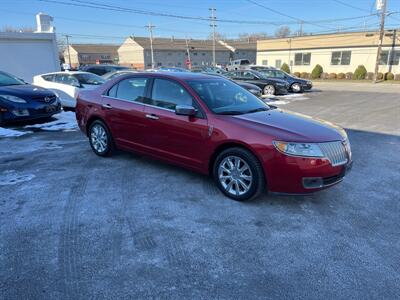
[(265, 62), (169, 53), (179, 64), (389, 57), (159, 64), (105, 56), (203, 54), (302, 59), (195, 53), (341, 58), (278, 63), (85, 57), (170, 64)]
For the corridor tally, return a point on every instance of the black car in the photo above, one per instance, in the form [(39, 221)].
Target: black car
[(252, 88), (296, 84), (102, 69), (22, 101), (269, 86)]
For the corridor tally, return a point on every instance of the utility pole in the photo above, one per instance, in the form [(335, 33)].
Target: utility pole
[(188, 54), (301, 29), (69, 54), (381, 36), (213, 25), (150, 28)]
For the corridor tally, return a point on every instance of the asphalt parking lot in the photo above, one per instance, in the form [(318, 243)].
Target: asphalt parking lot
[(76, 226)]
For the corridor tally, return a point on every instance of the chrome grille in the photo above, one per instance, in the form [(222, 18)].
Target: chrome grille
[(335, 152)]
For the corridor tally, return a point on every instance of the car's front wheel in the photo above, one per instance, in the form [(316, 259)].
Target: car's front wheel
[(238, 174), (269, 89), (100, 139), (296, 88)]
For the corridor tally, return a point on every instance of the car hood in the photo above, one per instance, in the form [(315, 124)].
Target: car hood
[(301, 80), (247, 85), (25, 91), (292, 127)]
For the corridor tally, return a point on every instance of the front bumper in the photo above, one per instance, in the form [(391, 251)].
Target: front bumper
[(30, 112), (302, 175), (306, 87)]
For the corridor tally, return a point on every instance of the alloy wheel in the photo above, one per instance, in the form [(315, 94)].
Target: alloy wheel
[(296, 87), (98, 138), (235, 175), (269, 90)]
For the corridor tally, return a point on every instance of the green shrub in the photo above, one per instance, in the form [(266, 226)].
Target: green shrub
[(389, 76), (380, 76), (397, 77), (285, 68), (297, 74), (305, 75), (332, 76), (349, 75), (360, 73), (341, 76), (316, 72), (370, 76)]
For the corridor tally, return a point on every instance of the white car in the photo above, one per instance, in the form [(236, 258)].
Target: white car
[(68, 84)]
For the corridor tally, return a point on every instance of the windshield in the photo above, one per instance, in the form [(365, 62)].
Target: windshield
[(89, 79), (225, 97), (6, 79)]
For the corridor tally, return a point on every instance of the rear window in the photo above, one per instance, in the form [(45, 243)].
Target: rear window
[(244, 62)]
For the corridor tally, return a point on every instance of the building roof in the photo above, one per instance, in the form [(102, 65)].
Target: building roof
[(95, 48), (178, 44), (242, 44), (342, 40)]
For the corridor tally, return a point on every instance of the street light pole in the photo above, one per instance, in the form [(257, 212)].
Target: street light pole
[(69, 54), (381, 36), (150, 28), (213, 25)]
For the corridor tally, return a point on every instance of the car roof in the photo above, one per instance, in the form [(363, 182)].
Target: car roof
[(174, 75), (66, 72)]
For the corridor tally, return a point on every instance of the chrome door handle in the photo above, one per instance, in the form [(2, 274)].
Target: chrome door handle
[(107, 106), (151, 116)]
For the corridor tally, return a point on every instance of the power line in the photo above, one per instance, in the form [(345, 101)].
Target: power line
[(213, 25), (351, 6), (91, 4)]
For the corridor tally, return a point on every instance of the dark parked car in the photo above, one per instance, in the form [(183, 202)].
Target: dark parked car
[(171, 69), (22, 101), (270, 86), (102, 69), (213, 126), (114, 74), (296, 84)]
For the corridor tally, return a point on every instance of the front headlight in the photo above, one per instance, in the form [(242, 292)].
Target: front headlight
[(299, 149), (13, 98)]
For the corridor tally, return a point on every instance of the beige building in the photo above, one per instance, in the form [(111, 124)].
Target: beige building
[(336, 53), (85, 54), (168, 52)]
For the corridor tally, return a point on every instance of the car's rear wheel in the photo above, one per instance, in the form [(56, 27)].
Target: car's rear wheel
[(295, 87), (100, 139), (238, 174), (269, 89)]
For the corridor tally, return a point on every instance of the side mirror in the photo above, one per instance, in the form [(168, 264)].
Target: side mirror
[(185, 110)]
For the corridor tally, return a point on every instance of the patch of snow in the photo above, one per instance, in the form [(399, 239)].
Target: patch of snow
[(5, 132), (66, 121), (278, 102), (11, 177)]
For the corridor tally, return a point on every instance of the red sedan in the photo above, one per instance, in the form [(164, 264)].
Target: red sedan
[(213, 126)]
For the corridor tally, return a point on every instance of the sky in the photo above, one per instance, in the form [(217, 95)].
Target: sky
[(93, 25)]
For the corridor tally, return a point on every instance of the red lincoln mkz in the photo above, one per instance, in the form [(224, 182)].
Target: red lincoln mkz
[(213, 126)]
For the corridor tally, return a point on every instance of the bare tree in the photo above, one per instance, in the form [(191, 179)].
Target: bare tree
[(218, 36), (253, 36), (283, 31), (14, 29)]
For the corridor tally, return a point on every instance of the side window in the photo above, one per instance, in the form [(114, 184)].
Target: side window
[(58, 78), (269, 73), (249, 75), (279, 74), (48, 77), (113, 91), (168, 94), (132, 89), (95, 70)]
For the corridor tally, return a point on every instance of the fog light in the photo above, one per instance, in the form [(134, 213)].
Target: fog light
[(21, 112), (313, 182), (2, 109)]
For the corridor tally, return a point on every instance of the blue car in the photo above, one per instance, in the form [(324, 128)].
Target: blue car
[(22, 101)]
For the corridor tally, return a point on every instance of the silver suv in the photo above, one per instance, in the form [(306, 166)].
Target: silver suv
[(238, 64)]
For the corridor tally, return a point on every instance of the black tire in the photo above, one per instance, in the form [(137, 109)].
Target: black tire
[(267, 88), (257, 185), (109, 146), (294, 89)]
